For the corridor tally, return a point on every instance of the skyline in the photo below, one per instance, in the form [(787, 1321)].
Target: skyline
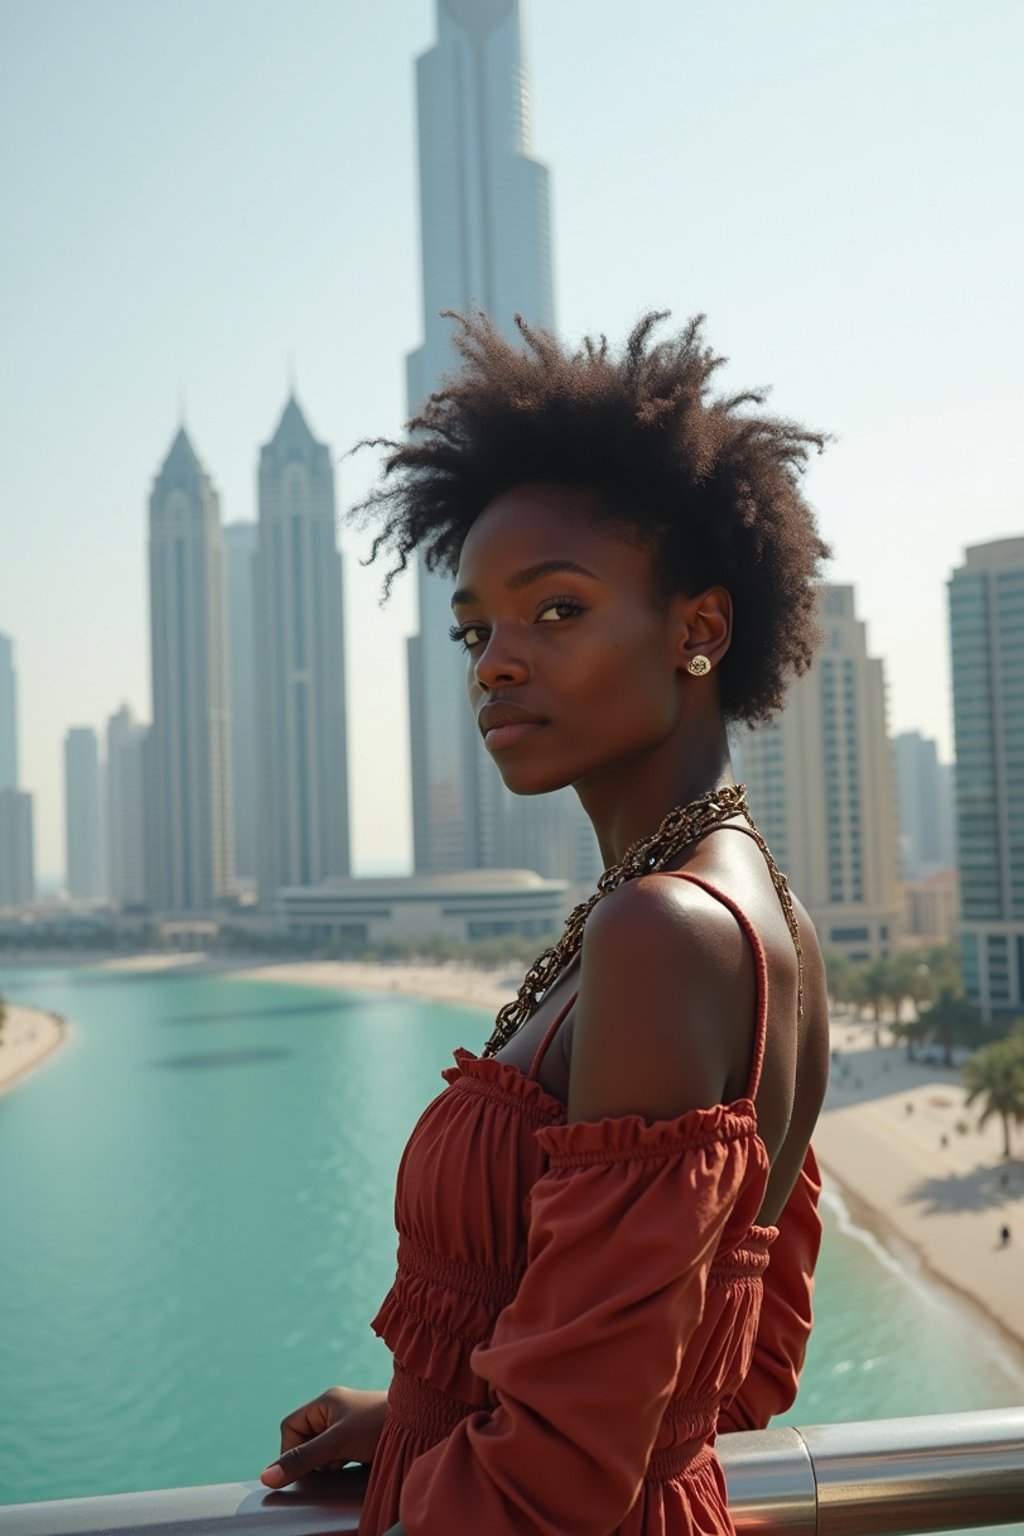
[(156, 251)]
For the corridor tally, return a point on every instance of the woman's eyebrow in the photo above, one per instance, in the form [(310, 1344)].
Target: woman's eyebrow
[(530, 574)]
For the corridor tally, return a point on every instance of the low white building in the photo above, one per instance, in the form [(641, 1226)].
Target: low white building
[(464, 905)]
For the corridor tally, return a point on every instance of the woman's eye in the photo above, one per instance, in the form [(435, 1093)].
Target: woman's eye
[(468, 635), (564, 608)]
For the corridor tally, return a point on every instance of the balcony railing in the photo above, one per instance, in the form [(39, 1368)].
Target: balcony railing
[(945, 1472)]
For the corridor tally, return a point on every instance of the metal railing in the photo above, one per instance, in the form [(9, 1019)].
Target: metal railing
[(944, 1472)]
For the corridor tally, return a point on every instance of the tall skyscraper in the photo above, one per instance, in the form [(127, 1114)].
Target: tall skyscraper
[(821, 789), (189, 788), (83, 825), (302, 787), (485, 240), (925, 806), (986, 624), (240, 543), (17, 865), (485, 203), (126, 809), (8, 716)]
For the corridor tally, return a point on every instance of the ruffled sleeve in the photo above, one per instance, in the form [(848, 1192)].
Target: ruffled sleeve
[(784, 1327), (623, 1226)]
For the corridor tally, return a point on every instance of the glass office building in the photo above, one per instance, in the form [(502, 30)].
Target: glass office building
[(986, 627)]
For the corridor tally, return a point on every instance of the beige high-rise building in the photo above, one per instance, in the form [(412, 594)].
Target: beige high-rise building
[(821, 788)]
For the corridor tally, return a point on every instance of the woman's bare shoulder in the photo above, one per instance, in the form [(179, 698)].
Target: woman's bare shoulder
[(667, 990)]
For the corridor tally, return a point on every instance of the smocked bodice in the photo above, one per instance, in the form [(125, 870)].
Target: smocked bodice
[(482, 1153)]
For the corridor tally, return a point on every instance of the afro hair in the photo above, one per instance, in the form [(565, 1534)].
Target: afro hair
[(711, 485)]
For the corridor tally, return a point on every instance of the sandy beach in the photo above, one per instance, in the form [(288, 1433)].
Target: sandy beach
[(889, 1137), (161, 960), (27, 1037), (451, 982)]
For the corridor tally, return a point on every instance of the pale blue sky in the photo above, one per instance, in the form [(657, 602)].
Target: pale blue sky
[(193, 193)]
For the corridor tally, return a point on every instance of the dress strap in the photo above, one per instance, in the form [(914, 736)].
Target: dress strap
[(549, 1035), (762, 983), (762, 968)]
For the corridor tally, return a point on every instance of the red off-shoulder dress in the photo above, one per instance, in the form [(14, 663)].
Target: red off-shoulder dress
[(580, 1308)]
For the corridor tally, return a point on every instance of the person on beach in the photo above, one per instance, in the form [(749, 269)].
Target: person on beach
[(607, 1220)]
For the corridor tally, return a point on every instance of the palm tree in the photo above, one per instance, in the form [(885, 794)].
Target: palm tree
[(873, 984), (953, 1021), (942, 961), (913, 1031), (840, 976), (996, 1076), (908, 979)]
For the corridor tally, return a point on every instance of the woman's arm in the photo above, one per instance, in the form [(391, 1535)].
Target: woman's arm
[(784, 1326)]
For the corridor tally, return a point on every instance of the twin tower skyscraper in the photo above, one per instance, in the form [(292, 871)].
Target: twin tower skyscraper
[(248, 748), (486, 241)]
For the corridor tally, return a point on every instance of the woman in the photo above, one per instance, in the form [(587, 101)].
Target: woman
[(607, 1222)]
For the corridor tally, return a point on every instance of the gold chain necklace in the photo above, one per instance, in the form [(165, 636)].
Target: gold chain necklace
[(683, 825)]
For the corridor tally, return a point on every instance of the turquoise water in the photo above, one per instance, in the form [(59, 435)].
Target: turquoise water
[(196, 1227)]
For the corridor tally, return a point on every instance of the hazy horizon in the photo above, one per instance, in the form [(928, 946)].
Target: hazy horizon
[(200, 199)]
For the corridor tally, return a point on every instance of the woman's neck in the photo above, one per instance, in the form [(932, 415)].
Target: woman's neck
[(630, 803)]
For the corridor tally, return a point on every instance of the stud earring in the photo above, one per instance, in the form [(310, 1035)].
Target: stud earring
[(698, 666)]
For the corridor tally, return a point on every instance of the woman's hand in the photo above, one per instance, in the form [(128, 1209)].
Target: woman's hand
[(340, 1425)]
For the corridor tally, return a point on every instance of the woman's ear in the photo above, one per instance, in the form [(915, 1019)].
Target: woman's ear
[(705, 631)]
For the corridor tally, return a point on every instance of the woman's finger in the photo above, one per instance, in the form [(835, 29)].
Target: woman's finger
[(297, 1460)]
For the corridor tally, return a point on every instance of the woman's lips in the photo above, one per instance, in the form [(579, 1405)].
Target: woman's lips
[(505, 723), (501, 736)]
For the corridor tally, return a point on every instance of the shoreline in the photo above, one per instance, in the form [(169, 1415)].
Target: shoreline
[(456, 982), (913, 1261), (890, 1136), (29, 1037)]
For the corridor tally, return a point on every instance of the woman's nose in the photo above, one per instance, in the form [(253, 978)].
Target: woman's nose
[(499, 664)]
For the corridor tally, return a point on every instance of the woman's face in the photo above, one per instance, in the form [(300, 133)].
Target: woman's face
[(574, 667)]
